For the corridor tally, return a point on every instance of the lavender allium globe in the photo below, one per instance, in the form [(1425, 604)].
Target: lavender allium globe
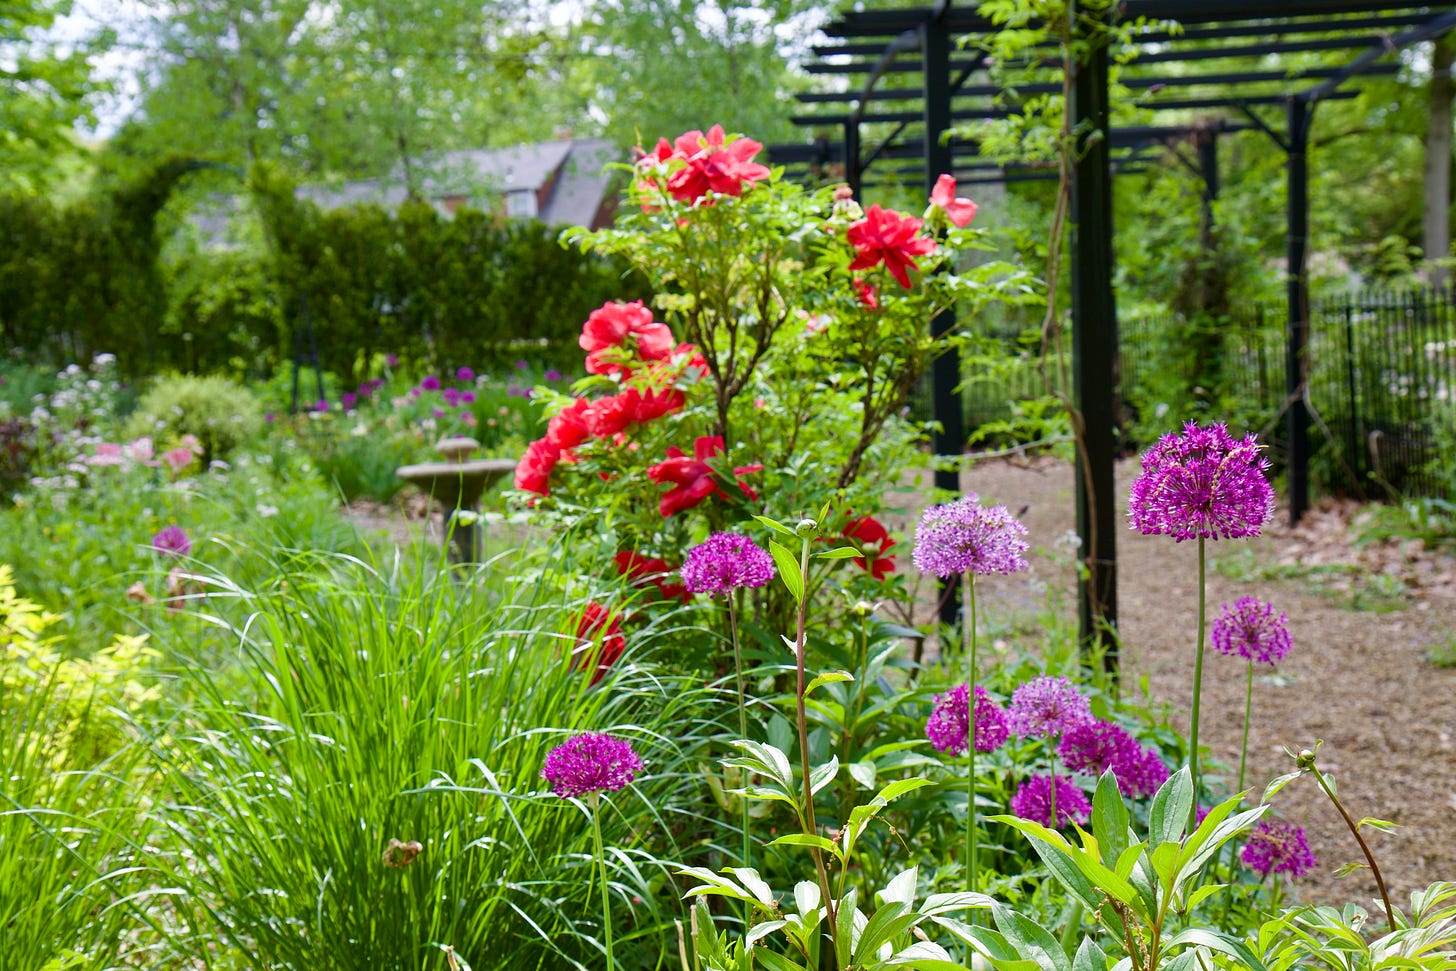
[(967, 537), (430, 383), (172, 541), (948, 727), (1275, 846), (1046, 706), (724, 562), (1253, 630), (1096, 746), (1202, 483), (465, 374), (590, 762), (1033, 801)]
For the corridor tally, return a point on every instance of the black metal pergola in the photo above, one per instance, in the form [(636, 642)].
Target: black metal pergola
[(913, 126)]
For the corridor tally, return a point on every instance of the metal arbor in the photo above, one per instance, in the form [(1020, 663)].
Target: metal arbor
[(912, 123)]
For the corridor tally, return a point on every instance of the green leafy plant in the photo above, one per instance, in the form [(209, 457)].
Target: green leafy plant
[(222, 415)]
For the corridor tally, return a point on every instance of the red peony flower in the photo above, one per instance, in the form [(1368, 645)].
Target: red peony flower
[(870, 535), (713, 164), (867, 294), (610, 415), (656, 403), (958, 210), (605, 333), (693, 478), (598, 624), (569, 428), (533, 471), (885, 236), (642, 571)]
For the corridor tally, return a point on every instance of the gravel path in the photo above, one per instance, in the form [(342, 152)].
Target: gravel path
[(1358, 679)]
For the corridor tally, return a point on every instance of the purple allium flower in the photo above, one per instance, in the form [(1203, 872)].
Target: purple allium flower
[(349, 400), (1251, 629), (724, 562), (467, 397), (967, 537), (321, 405), (1047, 706), (438, 412), (465, 374), (521, 365), (1275, 846), (451, 396), (172, 541), (391, 360), (269, 417), (590, 762), (415, 392), (1202, 483), (430, 383), (1033, 801), (553, 375), (947, 726), (1096, 746)]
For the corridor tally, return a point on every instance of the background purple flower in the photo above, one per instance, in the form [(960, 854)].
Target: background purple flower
[(1202, 483), (451, 396), (391, 360), (1096, 746), (724, 562), (465, 374), (467, 397), (553, 375), (948, 728), (590, 762), (1251, 629), (430, 383), (172, 541), (1047, 706), (321, 405), (1275, 846), (349, 400), (967, 537), (1033, 801)]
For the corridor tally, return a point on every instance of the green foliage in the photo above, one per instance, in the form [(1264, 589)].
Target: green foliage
[(1335, 938), (223, 416)]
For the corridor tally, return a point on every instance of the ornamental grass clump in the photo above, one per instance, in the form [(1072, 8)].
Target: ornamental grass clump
[(1201, 484), (1251, 629)]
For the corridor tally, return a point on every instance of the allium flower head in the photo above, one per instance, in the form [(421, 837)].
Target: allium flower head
[(1033, 801), (1096, 746), (1275, 846), (172, 541), (1047, 706), (1252, 630), (1202, 483), (724, 562), (465, 374), (947, 727), (967, 537), (590, 762)]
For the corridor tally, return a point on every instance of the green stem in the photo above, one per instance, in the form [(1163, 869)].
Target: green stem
[(1248, 710), (1197, 689), (811, 826), (742, 734), (969, 632), (1364, 846), (602, 869)]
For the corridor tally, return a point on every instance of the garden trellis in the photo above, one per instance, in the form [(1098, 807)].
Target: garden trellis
[(921, 125)]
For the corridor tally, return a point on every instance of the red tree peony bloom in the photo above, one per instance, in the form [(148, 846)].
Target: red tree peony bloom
[(693, 479), (642, 571), (656, 403), (612, 414), (533, 471), (870, 535), (885, 236), (867, 295), (598, 624), (714, 163), (568, 428), (958, 210), (605, 333)]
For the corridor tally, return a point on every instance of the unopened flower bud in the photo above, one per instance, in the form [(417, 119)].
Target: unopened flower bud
[(1305, 759), (864, 608), (806, 528)]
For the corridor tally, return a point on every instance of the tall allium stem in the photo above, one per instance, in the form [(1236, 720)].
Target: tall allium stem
[(595, 802), (969, 633), (811, 826), (1197, 687), (742, 734), (1248, 710)]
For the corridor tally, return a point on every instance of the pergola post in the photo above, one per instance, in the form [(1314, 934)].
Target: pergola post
[(851, 157), (1297, 295), (1094, 353)]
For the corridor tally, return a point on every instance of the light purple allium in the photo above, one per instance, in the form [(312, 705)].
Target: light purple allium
[(1202, 483), (521, 365), (321, 405), (947, 726), (967, 537), (553, 375), (391, 360), (1250, 629), (451, 396), (590, 762), (172, 541), (430, 383), (1033, 801), (465, 374), (467, 397), (1047, 706), (724, 562), (1275, 846), (438, 412), (1096, 746), (349, 400)]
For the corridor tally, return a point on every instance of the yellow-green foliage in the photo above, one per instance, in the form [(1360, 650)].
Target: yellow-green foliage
[(222, 414), (85, 696)]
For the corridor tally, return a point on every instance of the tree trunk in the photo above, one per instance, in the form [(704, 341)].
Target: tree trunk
[(1437, 227)]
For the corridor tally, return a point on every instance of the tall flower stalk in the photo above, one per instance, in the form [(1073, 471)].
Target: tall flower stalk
[(1252, 630), (1201, 483)]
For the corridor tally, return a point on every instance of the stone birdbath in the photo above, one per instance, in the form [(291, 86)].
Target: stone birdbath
[(457, 484)]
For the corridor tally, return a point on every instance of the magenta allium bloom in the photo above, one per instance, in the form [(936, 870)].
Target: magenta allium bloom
[(724, 562), (349, 400), (947, 726), (1250, 629), (391, 360), (451, 396), (590, 762), (321, 405), (172, 541), (467, 397), (465, 374), (1033, 801), (967, 537), (1275, 846), (553, 375), (521, 365), (430, 383), (1202, 483), (438, 412), (1096, 746), (1047, 706)]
